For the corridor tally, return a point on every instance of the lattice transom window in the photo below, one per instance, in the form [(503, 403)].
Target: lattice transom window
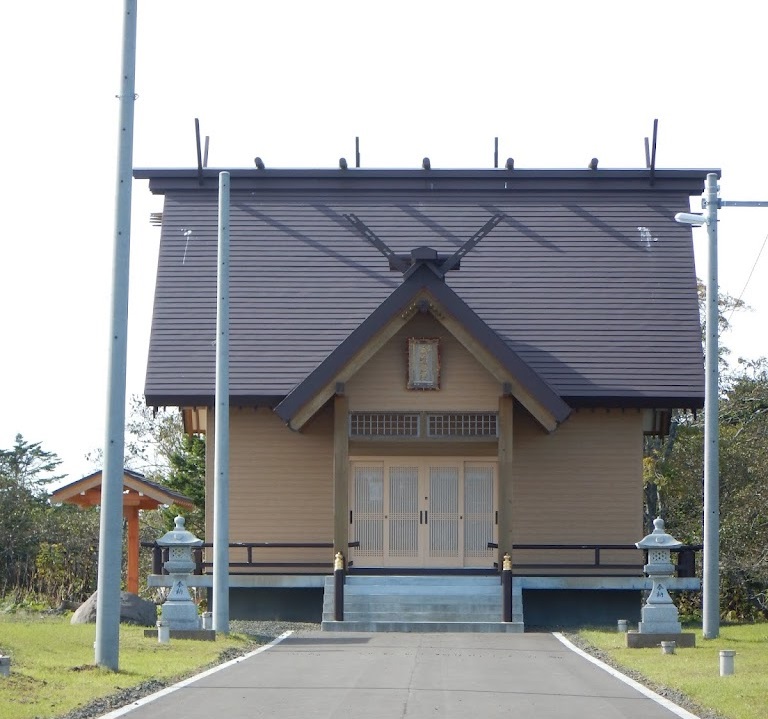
[(432, 425), (462, 424), (383, 424)]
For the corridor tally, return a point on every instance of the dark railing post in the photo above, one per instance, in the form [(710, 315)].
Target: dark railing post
[(686, 562), (338, 587), (157, 559), (506, 588), (197, 554)]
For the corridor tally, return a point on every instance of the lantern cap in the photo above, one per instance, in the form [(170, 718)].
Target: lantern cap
[(179, 536), (658, 539)]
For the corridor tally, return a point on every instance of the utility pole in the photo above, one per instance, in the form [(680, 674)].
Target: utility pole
[(711, 203), (111, 523), (221, 419)]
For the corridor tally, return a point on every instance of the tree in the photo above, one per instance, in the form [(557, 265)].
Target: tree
[(187, 475), (28, 465), (743, 473), (157, 447), (674, 469), (24, 470)]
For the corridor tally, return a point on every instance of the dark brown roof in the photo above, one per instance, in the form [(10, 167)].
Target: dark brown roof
[(588, 280)]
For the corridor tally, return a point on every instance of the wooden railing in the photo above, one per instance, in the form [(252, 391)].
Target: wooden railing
[(596, 566), (685, 566), (160, 556)]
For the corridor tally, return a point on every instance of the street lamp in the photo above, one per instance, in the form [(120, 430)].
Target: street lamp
[(711, 579), (711, 567)]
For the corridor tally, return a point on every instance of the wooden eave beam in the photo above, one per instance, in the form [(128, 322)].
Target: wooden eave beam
[(500, 373), (495, 368), (348, 371)]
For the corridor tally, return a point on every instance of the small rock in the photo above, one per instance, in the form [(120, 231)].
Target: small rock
[(133, 610)]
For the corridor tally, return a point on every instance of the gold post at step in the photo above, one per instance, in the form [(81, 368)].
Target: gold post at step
[(338, 562), (507, 563)]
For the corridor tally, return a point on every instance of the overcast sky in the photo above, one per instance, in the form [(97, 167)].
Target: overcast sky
[(295, 82)]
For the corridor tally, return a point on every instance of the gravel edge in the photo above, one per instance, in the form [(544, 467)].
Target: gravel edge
[(260, 632), (669, 693)]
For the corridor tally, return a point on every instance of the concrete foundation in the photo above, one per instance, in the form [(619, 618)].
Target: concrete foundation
[(203, 635), (572, 608), (636, 640)]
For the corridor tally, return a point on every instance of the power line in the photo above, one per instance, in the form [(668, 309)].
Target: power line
[(751, 272)]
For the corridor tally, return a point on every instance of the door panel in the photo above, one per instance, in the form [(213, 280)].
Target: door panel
[(443, 517), (479, 511), (403, 512), (368, 510), (410, 512)]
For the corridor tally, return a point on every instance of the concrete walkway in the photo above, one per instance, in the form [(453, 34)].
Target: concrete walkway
[(357, 676)]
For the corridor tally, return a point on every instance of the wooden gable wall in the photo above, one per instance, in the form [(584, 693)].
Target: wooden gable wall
[(465, 385)]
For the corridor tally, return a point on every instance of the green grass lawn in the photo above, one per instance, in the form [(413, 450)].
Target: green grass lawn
[(696, 672), (53, 671)]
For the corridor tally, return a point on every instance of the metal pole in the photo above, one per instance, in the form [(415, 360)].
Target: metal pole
[(221, 433), (111, 526), (711, 578)]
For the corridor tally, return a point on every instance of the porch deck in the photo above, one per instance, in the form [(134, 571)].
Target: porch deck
[(551, 593)]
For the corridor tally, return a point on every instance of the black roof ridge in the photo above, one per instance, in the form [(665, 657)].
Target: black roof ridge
[(306, 180), (641, 172)]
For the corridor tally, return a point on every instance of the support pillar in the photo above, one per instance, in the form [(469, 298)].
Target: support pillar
[(506, 417), (340, 473), (131, 514)]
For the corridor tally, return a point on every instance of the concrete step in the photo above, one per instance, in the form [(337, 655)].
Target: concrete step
[(422, 627), (421, 603), (425, 616), (416, 580)]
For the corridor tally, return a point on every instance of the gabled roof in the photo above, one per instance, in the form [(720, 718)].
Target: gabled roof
[(137, 490), (587, 280), (423, 285)]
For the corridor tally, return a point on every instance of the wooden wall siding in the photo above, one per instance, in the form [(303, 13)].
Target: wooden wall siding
[(464, 382), (281, 483), (580, 485)]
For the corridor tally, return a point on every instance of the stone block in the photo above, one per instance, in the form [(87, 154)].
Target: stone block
[(202, 635), (638, 640)]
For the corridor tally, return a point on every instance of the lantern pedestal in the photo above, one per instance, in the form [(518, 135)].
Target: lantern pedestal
[(683, 640)]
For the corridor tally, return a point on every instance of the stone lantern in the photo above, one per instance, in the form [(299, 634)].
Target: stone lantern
[(179, 611), (659, 615)]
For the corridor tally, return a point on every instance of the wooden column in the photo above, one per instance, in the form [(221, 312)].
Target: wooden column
[(506, 417), (341, 474), (131, 513)]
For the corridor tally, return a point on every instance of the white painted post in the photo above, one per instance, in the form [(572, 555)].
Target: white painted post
[(163, 632), (727, 662)]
